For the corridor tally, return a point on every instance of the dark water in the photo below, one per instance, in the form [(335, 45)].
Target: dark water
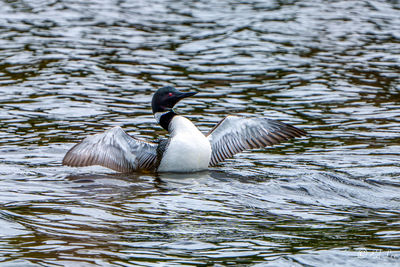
[(73, 68)]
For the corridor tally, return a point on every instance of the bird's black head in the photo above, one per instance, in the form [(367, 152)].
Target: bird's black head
[(166, 97)]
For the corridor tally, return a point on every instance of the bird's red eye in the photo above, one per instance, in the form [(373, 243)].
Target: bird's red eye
[(170, 94)]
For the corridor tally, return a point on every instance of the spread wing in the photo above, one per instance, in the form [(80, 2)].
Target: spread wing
[(113, 149), (235, 134)]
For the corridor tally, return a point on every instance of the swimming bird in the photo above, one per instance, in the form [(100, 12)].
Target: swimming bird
[(186, 150)]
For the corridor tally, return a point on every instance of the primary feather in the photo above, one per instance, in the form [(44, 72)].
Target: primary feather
[(113, 149), (235, 134)]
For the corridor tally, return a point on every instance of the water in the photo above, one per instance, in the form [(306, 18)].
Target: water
[(73, 68)]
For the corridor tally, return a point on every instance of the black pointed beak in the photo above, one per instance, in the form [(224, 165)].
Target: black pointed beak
[(182, 95)]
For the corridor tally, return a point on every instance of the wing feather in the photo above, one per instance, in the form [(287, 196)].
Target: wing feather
[(114, 149), (235, 134)]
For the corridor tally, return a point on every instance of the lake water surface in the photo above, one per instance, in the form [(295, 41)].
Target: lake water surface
[(69, 69)]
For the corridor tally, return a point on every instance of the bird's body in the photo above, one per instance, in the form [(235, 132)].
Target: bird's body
[(186, 150)]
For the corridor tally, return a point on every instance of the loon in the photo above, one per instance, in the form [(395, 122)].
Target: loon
[(186, 150)]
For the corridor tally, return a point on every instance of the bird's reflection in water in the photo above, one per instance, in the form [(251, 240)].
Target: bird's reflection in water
[(136, 181), (159, 182), (114, 184), (92, 177)]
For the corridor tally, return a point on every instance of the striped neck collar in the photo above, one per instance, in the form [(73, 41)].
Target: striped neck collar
[(164, 118)]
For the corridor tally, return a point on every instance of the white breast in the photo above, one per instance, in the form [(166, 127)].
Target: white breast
[(188, 149)]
